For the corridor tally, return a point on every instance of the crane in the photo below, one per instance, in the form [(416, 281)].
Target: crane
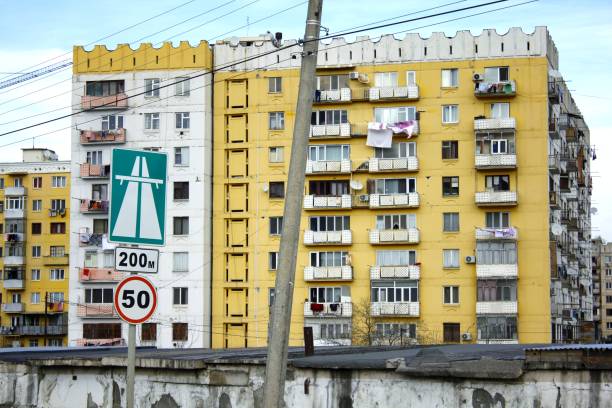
[(36, 73)]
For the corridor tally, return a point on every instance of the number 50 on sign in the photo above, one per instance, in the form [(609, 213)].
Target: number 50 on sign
[(135, 299)]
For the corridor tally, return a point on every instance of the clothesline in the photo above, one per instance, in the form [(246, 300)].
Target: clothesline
[(380, 134)]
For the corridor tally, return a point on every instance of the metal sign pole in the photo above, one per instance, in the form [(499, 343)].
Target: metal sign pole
[(131, 363)]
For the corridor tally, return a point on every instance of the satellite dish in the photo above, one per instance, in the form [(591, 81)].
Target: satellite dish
[(556, 229), (234, 41), (356, 185), (593, 210)]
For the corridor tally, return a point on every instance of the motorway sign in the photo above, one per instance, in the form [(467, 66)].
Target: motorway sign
[(135, 299), (136, 260), (138, 197)]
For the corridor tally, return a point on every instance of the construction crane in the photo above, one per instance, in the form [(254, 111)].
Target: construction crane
[(39, 72)]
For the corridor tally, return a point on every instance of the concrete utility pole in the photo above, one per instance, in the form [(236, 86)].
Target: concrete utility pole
[(280, 321)]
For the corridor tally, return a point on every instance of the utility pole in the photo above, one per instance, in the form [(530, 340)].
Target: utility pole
[(46, 316), (280, 321)]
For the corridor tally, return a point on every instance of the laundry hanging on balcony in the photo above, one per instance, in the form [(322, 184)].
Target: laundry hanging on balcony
[(380, 134)]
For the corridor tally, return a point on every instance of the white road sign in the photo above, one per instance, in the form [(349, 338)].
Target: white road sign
[(135, 299), (136, 260)]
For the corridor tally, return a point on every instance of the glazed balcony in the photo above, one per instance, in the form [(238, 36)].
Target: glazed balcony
[(58, 260), (50, 330), (340, 131), (328, 167), (410, 309), (344, 237), (97, 275), (328, 273), (496, 198), (13, 307), (15, 191), (495, 89), (409, 200), (342, 95), (316, 202), (393, 93), (98, 137), (94, 207), (88, 170), (340, 309), (117, 101), (101, 310), (495, 161), (390, 237), (401, 164), (494, 124), (14, 279), (14, 213), (497, 307), (412, 272), (499, 271), (487, 234)]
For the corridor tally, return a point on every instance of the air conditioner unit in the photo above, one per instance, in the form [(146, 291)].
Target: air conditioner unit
[(466, 336), (354, 75), (477, 77), (364, 198), (470, 259)]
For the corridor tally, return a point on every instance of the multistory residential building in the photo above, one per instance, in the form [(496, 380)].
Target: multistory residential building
[(471, 227), (602, 287), (34, 250), (153, 99)]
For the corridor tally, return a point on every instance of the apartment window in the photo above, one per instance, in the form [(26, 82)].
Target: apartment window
[(499, 146), (151, 149), (608, 285), (56, 274), (102, 330), (182, 120), (496, 290), (35, 298), (36, 205), (325, 295), (1, 183), (56, 297), (332, 82), (497, 219), (108, 259), (395, 186), (329, 258), (277, 189), (37, 182), (181, 156), (496, 253), (330, 223), (497, 328), (608, 299), (58, 204), (332, 331), (100, 226), (36, 228), (276, 225), (451, 222), (179, 296), (411, 77), (35, 273), (58, 228), (451, 295), (608, 272), (182, 86), (497, 74), (500, 110), (148, 332), (180, 261), (450, 186), (329, 152), (151, 121), (18, 182), (181, 190), (392, 115), (450, 78), (275, 85), (58, 181), (104, 88), (450, 149), (91, 259), (99, 295), (56, 251), (181, 225), (36, 250), (497, 183), (275, 154), (395, 258), (179, 331), (396, 151), (94, 157), (450, 113), (33, 343), (385, 79), (395, 221), (396, 330), (450, 258), (328, 187), (99, 192), (271, 296), (276, 120), (272, 261), (152, 87), (112, 122), (329, 117), (395, 291)]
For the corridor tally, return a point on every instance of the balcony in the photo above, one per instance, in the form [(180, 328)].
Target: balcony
[(50, 330), (488, 234), (95, 170), (117, 101), (495, 89), (402, 164), (59, 260), (394, 93), (315, 202), (495, 161), (500, 271), (494, 124), (340, 131), (86, 239), (14, 237), (344, 237), (497, 341), (14, 260), (15, 191), (554, 164), (328, 273), (98, 275), (99, 137), (328, 167), (410, 309), (102, 310), (500, 307), (341, 309), (100, 342), (406, 236), (409, 200), (13, 279), (94, 207), (496, 198), (412, 272), (341, 95), (14, 213), (13, 307)]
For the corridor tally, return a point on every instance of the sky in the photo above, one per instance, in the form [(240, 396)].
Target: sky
[(43, 32)]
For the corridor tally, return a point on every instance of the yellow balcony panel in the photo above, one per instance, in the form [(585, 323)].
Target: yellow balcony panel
[(409, 200), (488, 234), (496, 198), (394, 93), (102, 310), (100, 275), (412, 272), (328, 273), (15, 191), (98, 137), (14, 213), (405, 236), (499, 307), (13, 307), (94, 207), (14, 260), (344, 237), (328, 167), (410, 309), (494, 124), (56, 260), (340, 131), (501, 271), (495, 161), (117, 101), (401, 164), (315, 202), (88, 170), (340, 309), (342, 95), (495, 89)]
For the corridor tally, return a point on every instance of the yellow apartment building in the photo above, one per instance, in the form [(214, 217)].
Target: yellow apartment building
[(469, 228), (34, 228)]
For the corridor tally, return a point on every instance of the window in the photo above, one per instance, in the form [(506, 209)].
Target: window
[(181, 225), (36, 250), (395, 291), (181, 190), (182, 86), (499, 146), (91, 259), (179, 296), (148, 332), (275, 154), (94, 157), (33, 343), (329, 117), (452, 332), (329, 223), (100, 226), (385, 79), (396, 151), (332, 82), (57, 297), (496, 290), (180, 262), (451, 295), (277, 189), (451, 222), (104, 88), (395, 258), (108, 259), (497, 74), (334, 331), (58, 181), (608, 299), (151, 149), (497, 220), (18, 182), (57, 250), (496, 253), (325, 295), (450, 78), (58, 228), (35, 298), (271, 296), (182, 120), (179, 331), (450, 186), (151, 121), (500, 110), (450, 258), (181, 156), (152, 87), (99, 295), (395, 221), (386, 330), (1, 183), (497, 183), (395, 186), (276, 225), (450, 113), (329, 152), (37, 182), (272, 261), (112, 122), (58, 204), (411, 77), (36, 228), (450, 149), (56, 274), (36, 205), (328, 187), (275, 85), (392, 115), (35, 273), (497, 327), (329, 258), (276, 120), (99, 192), (608, 285)]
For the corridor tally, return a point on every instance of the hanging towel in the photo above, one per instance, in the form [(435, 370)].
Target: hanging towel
[(406, 126), (379, 135)]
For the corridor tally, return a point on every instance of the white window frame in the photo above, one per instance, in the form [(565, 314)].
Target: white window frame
[(321, 152), (493, 74), (497, 219), (450, 114), (328, 258), (183, 153), (56, 274), (276, 225), (35, 274), (451, 258), (385, 79), (273, 260), (182, 120), (402, 221), (276, 120), (396, 257), (396, 291), (410, 78), (396, 151), (152, 88), (393, 115), (275, 84), (452, 291), (500, 110), (178, 264), (329, 117), (58, 181), (325, 294), (182, 86), (37, 182), (499, 146), (382, 186), (112, 122), (151, 121), (36, 205), (35, 298), (327, 223), (453, 220), (450, 78), (180, 296), (276, 154), (36, 251)]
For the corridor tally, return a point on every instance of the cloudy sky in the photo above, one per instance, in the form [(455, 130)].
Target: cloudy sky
[(40, 31)]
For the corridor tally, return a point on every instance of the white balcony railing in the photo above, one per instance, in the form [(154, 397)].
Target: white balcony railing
[(406, 236), (314, 202), (497, 341), (501, 307), (12, 307), (344, 237), (326, 167), (341, 309), (334, 273), (14, 191), (498, 123), (492, 161), (412, 272), (496, 198), (13, 284), (395, 309), (323, 131), (14, 260), (394, 92), (14, 213), (501, 271), (510, 233), (394, 200), (377, 165), (334, 95)]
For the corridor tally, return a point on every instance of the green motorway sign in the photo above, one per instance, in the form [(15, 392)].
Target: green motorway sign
[(138, 197)]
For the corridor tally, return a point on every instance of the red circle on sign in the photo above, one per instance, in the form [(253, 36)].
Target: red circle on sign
[(153, 291)]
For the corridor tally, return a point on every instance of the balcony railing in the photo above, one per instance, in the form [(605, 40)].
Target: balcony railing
[(100, 342), (14, 281), (57, 260), (395, 309), (94, 206), (344, 237), (495, 161), (340, 309), (496, 198), (13, 307), (103, 136), (14, 237), (314, 202), (412, 272), (497, 341), (14, 260), (410, 92), (394, 200), (554, 164), (406, 236), (86, 239), (330, 131), (333, 96), (510, 233), (51, 330), (118, 101), (100, 275), (14, 213), (494, 124), (15, 191), (328, 167), (499, 307), (61, 212), (328, 273), (495, 89), (500, 271), (96, 310), (95, 170), (401, 164)]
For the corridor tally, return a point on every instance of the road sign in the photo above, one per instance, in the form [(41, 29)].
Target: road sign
[(136, 260), (135, 299), (138, 197)]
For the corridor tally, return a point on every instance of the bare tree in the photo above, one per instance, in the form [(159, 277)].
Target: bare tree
[(365, 330)]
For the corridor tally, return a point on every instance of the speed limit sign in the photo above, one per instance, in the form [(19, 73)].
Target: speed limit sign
[(135, 299)]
